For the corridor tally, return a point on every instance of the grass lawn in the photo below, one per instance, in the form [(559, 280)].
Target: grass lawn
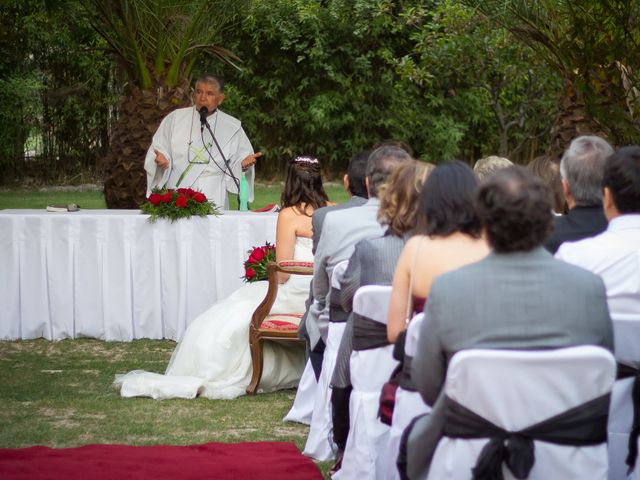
[(59, 394), (16, 198)]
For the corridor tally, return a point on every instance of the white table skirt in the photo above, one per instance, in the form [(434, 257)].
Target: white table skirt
[(112, 275)]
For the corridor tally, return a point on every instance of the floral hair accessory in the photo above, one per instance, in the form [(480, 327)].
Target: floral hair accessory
[(305, 160)]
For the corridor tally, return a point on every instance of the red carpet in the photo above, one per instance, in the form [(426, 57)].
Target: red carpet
[(259, 460)]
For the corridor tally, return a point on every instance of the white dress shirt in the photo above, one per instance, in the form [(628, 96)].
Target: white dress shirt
[(615, 256)]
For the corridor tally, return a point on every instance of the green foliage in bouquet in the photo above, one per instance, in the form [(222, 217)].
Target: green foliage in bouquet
[(255, 267), (175, 204)]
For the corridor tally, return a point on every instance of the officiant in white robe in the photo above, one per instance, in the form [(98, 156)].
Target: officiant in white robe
[(184, 155)]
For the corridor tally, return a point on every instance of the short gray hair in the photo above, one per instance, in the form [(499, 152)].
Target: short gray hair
[(485, 167), (381, 163), (582, 166), (211, 79)]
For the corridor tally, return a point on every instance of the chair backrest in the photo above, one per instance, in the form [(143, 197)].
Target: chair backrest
[(337, 314), (372, 301), (627, 350), (338, 272), (371, 368), (517, 389), (413, 333)]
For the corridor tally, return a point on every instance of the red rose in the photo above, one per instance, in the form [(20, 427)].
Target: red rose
[(249, 273), (199, 197), (181, 201), (155, 199), (257, 254), (187, 192), (166, 198)]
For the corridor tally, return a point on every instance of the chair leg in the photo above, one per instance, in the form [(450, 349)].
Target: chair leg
[(256, 361)]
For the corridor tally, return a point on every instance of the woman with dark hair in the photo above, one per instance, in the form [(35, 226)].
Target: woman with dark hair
[(449, 236), (213, 359)]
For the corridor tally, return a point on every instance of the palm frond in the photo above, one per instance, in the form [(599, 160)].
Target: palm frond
[(156, 38)]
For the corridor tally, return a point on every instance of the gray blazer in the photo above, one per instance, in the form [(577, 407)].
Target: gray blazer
[(521, 300), (341, 230), (317, 220), (372, 263)]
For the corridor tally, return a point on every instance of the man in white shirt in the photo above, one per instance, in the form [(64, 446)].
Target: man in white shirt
[(615, 256), (615, 253), (184, 154)]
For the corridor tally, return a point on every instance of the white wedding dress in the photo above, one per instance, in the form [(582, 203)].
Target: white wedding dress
[(213, 359)]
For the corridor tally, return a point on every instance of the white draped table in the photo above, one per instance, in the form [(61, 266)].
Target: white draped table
[(112, 275)]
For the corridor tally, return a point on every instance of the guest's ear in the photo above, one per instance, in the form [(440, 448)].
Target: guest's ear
[(345, 182), (366, 184), (609, 205)]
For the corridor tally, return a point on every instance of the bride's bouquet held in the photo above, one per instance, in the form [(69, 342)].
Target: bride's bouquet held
[(255, 267), (175, 204)]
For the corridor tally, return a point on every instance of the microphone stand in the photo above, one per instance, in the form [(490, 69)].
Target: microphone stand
[(204, 123)]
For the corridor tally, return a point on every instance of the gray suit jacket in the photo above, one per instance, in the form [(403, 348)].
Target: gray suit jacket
[(522, 300), (341, 230), (372, 263), (317, 220)]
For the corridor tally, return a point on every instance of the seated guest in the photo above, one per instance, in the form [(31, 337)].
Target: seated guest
[(354, 183), (549, 172), (615, 256), (615, 253), (372, 263), (536, 302), (448, 237), (485, 167), (341, 230), (581, 169)]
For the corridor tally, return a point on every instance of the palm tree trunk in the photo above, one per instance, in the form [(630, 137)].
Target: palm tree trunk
[(571, 121), (140, 113)]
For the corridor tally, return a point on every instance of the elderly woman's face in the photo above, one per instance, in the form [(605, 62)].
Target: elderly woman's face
[(208, 95)]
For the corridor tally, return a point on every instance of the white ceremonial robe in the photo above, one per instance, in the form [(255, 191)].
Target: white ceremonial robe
[(190, 165)]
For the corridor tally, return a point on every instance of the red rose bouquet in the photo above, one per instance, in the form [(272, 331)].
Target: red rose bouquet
[(255, 267), (175, 204)]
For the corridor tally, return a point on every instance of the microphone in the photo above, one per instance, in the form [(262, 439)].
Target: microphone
[(203, 117)]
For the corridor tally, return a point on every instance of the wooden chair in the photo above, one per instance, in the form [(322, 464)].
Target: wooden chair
[(273, 327)]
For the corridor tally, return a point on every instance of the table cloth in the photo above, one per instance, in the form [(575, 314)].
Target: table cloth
[(113, 275)]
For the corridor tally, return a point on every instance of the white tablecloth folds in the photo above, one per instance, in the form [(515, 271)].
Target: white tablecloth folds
[(112, 275)]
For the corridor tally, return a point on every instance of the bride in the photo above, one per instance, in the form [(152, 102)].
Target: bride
[(213, 359)]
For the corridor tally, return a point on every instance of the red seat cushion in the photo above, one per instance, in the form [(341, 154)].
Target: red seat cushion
[(281, 322)]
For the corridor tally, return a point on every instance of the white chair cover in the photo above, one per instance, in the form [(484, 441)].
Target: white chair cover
[(319, 443), (409, 405), (370, 369), (627, 350), (305, 397), (516, 389)]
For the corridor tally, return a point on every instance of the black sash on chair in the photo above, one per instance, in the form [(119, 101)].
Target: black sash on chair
[(336, 312), (627, 371), (368, 334), (405, 379), (583, 425)]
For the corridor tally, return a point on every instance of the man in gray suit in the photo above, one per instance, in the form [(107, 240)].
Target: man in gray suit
[(354, 183), (341, 230), (535, 302)]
